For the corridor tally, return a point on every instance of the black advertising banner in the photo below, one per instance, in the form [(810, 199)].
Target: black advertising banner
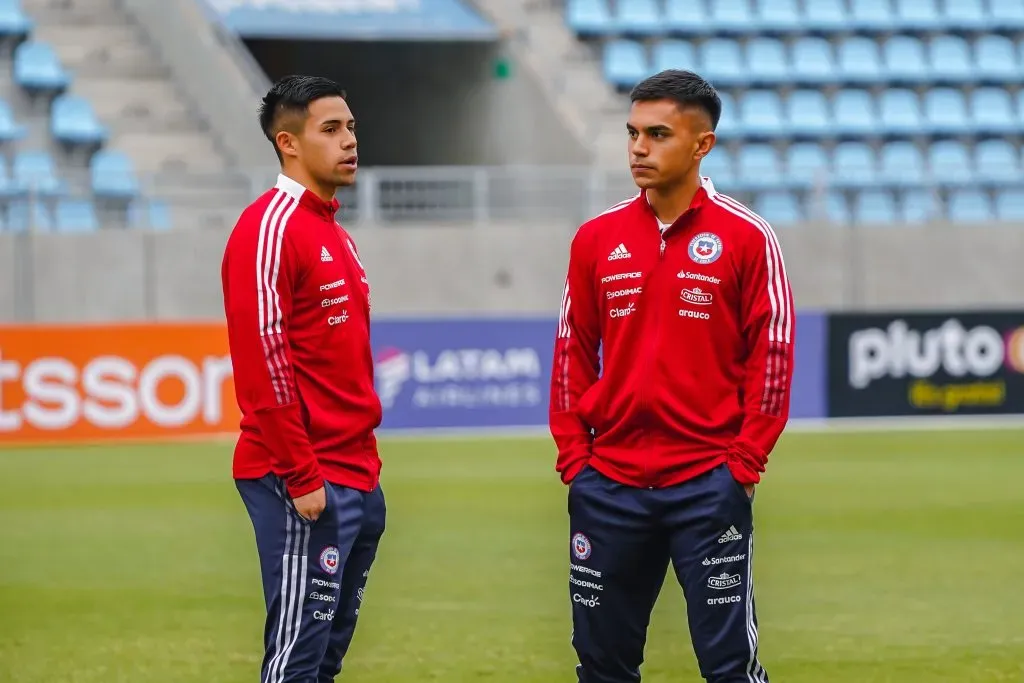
[(966, 363)]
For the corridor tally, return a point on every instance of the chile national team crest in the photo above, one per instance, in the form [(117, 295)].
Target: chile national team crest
[(705, 248), (329, 559), (581, 546)]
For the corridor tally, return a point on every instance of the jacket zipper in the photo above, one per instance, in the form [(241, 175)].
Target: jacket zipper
[(650, 346)]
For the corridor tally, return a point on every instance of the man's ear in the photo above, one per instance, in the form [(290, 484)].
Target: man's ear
[(287, 143)]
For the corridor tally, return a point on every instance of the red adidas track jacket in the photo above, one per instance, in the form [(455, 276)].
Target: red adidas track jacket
[(695, 328), (298, 315)]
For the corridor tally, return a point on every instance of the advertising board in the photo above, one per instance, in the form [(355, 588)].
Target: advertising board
[(938, 363)]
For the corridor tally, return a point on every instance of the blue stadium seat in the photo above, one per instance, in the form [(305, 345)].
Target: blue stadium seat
[(904, 59), (996, 162), (73, 122), (918, 206), (991, 111), (638, 17), (806, 164), (853, 165), (969, 206), (729, 125), (10, 129), (901, 163), (149, 214), (13, 20), (1007, 14), (946, 111), (996, 60), (589, 17), (779, 208), (778, 15), (918, 15), (112, 175), (871, 15), (835, 208), (719, 166), (37, 68), (899, 112), (674, 54), (949, 163), (8, 187), (686, 16), (875, 207), (759, 167), (859, 60), (1010, 205), (35, 172), (813, 61), (825, 15), (29, 215), (75, 215), (766, 61), (853, 112), (735, 16), (949, 59), (807, 113), (967, 15), (761, 113), (722, 62), (625, 63)]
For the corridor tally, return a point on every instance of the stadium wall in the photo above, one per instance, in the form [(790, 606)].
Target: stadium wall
[(514, 269)]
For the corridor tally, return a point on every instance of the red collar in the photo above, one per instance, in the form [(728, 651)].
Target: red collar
[(308, 199)]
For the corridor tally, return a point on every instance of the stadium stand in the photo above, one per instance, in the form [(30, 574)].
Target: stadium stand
[(830, 102), (94, 130)]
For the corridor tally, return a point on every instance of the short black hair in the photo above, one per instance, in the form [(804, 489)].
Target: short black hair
[(685, 88), (293, 95)]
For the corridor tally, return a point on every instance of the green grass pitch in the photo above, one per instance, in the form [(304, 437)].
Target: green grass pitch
[(881, 558)]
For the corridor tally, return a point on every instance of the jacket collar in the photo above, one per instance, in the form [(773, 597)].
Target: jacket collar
[(705, 193), (298, 191)]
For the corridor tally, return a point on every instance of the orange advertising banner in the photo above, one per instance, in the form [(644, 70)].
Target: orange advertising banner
[(114, 382)]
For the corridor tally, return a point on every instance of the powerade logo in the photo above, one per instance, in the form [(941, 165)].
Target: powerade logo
[(460, 378), (899, 351)]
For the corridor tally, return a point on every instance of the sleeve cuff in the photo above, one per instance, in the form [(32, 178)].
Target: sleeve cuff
[(304, 481), (572, 468), (746, 468)]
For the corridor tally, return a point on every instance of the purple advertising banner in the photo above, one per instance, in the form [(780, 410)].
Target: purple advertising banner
[(495, 372)]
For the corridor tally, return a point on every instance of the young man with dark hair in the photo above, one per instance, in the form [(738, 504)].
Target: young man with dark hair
[(684, 291), (297, 303)]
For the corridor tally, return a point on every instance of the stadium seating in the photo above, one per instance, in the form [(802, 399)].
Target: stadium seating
[(33, 190), (907, 110)]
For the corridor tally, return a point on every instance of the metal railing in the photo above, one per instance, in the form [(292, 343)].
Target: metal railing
[(485, 195)]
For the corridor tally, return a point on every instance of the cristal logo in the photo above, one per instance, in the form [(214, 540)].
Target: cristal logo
[(111, 392), (696, 296)]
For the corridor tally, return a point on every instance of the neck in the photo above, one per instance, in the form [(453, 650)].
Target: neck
[(669, 203), (301, 176)]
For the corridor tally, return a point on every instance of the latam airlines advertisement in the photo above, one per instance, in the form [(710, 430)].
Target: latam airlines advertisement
[(464, 373), (168, 380)]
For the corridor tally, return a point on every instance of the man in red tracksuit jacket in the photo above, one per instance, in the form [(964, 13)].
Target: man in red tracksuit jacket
[(298, 316), (670, 386)]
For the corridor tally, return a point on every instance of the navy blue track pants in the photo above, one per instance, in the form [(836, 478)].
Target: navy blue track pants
[(314, 574), (622, 542)]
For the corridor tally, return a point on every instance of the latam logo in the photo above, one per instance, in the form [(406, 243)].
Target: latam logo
[(469, 377)]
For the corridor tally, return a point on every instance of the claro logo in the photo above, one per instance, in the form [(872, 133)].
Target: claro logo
[(111, 392), (899, 351)]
